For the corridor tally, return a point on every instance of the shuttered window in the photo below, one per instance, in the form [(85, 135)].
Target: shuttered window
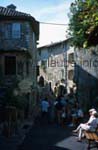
[(15, 30), (12, 31), (8, 31)]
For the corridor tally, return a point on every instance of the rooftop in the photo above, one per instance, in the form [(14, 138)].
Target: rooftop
[(11, 11), (54, 44)]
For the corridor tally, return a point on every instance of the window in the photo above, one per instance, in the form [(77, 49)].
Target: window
[(1, 31), (8, 31), (62, 72), (12, 30), (70, 74), (37, 70), (15, 30), (71, 58), (44, 65), (10, 65), (20, 66), (27, 67)]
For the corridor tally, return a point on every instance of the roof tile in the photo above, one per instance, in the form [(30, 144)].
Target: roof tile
[(9, 12)]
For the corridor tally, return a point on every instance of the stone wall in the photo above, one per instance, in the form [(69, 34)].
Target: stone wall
[(24, 49), (54, 67), (54, 63), (86, 77)]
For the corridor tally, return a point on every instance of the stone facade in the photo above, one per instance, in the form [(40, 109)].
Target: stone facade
[(22, 39), (19, 33), (53, 62)]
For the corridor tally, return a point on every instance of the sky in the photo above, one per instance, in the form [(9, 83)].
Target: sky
[(50, 11)]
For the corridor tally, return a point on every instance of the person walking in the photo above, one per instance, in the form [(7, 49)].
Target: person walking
[(45, 109)]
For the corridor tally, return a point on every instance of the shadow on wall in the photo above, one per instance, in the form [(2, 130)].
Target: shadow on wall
[(87, 86)]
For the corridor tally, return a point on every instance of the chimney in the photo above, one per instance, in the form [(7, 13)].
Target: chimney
[(11, 6)]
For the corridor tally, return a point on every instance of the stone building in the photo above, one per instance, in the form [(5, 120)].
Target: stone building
[(56, 63), (19, 33)]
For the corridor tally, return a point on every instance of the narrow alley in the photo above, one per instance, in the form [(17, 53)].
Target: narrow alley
[(49, 75)]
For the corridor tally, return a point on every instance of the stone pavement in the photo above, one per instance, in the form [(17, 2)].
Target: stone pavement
[(43, 137), (14, 141), (52, 137)]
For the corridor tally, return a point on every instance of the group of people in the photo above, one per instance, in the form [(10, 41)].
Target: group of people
[(66, 106), (64, 110), (68, 111), (61, 110), (90, 125)]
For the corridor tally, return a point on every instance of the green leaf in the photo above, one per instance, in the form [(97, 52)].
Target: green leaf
[(83, 20)]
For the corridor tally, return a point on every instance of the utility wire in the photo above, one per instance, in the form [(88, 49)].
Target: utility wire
[(58, 24)]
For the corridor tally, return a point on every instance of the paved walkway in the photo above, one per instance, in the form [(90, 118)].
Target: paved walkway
[(14, 141), (44, 137), (52, 137)]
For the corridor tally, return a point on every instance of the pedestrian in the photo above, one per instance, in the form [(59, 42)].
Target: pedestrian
[(77, 116), (58, 109), (56, 89), (45, 109), (91, 125), (80, 115), (63, 116)]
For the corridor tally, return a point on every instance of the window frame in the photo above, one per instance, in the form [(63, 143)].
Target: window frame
[(16, 32), (7, 72), (10, 32)]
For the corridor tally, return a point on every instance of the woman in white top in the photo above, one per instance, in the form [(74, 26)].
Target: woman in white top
[(91, 125)]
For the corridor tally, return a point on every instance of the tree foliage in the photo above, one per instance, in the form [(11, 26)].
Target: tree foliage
[(83, 26)]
